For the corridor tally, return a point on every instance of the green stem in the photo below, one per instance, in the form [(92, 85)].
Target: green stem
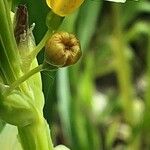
[(23, 78), (36, 136), (9, 58), (122, 66), (53, 22), (39, 47)]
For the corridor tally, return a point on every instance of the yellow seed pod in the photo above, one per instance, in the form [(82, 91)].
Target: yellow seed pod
[(64, 7), (62, 49)]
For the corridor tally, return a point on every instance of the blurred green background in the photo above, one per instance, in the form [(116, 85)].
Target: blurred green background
[(102, 102)]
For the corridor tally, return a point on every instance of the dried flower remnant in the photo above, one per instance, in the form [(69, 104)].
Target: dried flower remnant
[(62, 49), (21, 22)]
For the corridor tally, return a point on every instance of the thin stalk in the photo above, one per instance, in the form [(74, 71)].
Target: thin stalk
[(53, 22), (39, 47), (122, 66), (23, 78)]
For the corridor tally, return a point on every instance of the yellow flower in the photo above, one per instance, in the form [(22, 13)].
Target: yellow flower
[(64, 7)]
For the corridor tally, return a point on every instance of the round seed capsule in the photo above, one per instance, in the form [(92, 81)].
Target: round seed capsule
[(62, 49)]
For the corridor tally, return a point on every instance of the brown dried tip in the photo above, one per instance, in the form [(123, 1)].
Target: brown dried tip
[(62, 49)]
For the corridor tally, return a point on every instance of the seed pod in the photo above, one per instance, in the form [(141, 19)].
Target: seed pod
[(64, 7), (62, 49)]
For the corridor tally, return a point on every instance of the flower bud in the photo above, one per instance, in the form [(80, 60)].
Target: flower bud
[(62, 49), (64, 7)]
